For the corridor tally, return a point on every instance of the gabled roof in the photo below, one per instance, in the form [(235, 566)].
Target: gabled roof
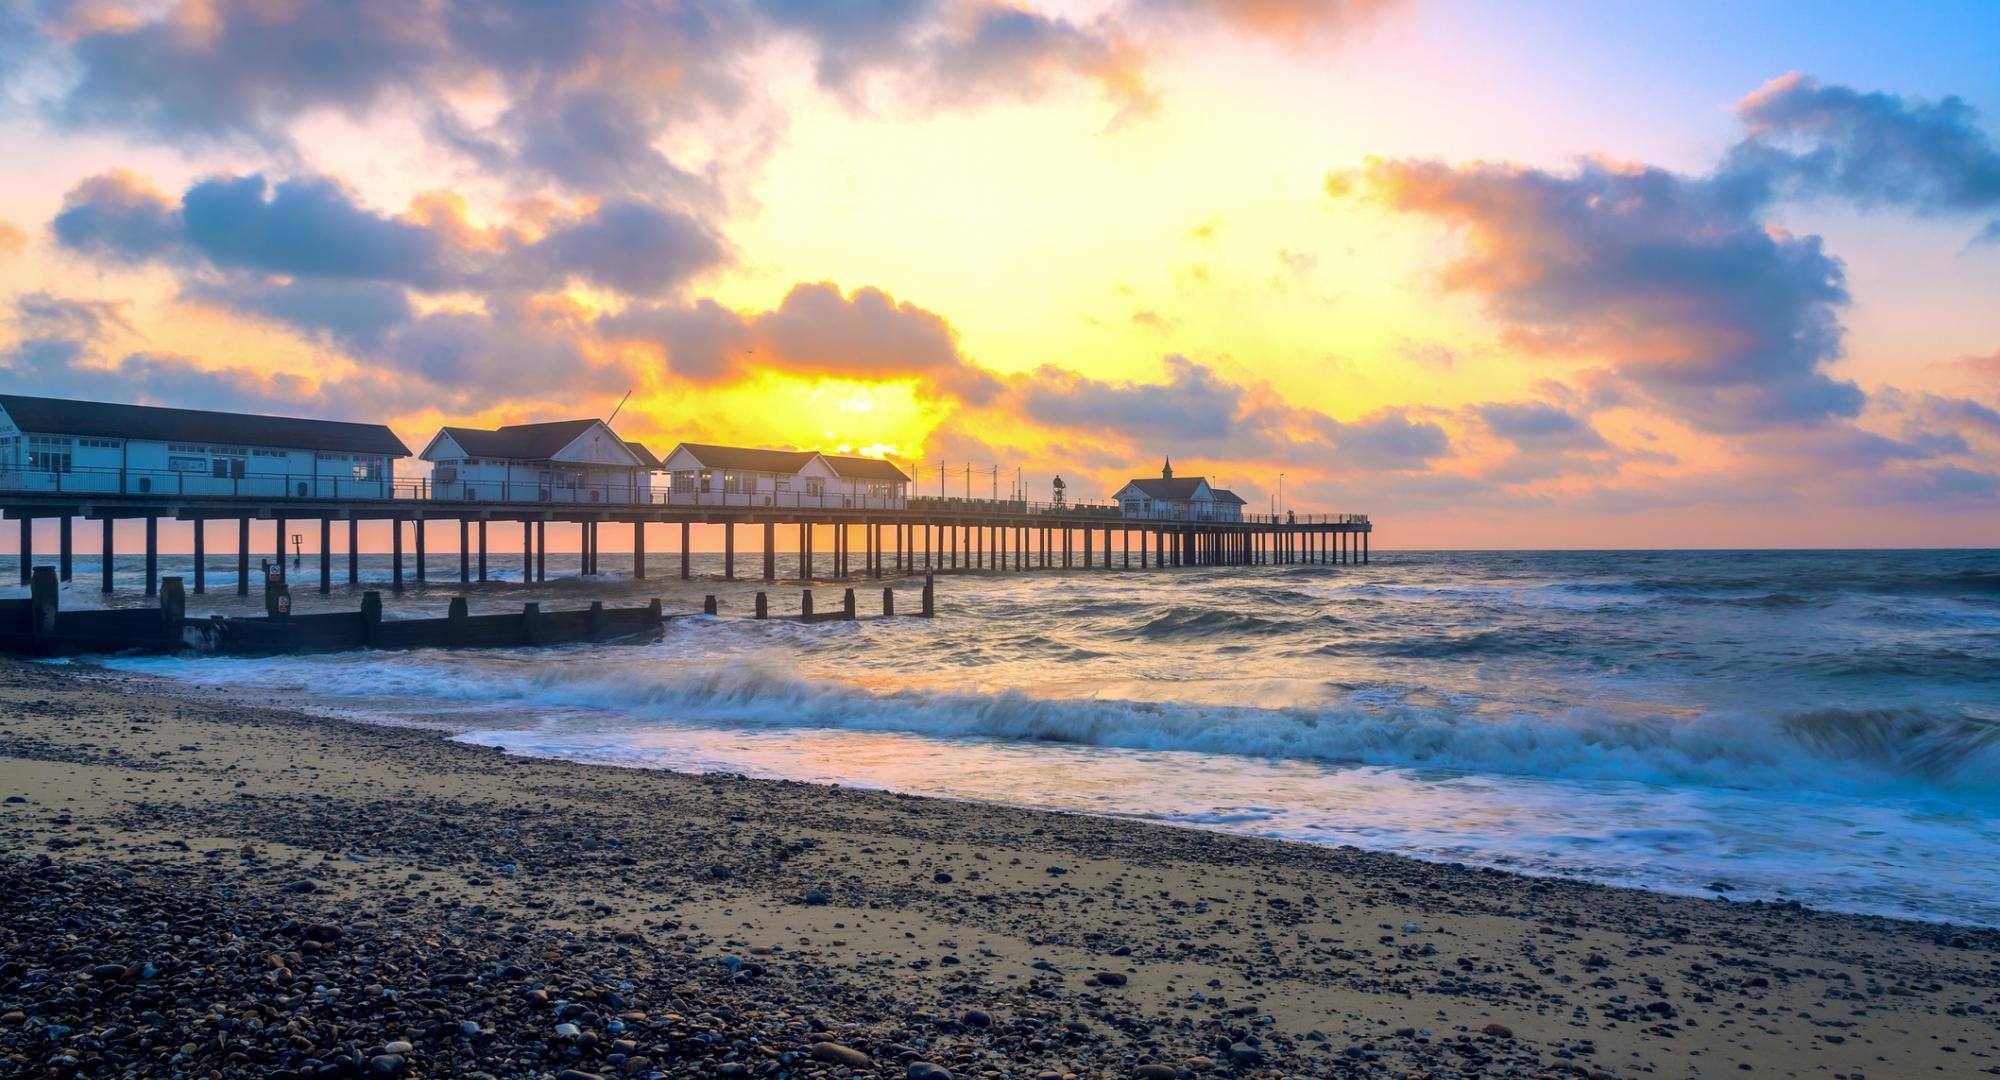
[(644, 455), (746, 459), (1180, 488), (104, 420), (522, 442), (864, 468), (1224, 495)]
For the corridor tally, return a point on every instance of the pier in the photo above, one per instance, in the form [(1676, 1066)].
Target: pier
[(836, 542)]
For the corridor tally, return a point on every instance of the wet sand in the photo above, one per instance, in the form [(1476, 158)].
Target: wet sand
[(197, 886)]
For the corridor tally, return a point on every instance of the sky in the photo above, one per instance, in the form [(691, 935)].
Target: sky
[(1498, 275)]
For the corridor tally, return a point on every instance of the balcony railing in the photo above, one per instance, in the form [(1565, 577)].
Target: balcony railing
[(166, 483)]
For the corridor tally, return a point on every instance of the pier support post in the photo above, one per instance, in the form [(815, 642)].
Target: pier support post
[(28, 550), (278, 545), (200, 556), (729, 551), (638, 551), (325, 554), (527, 551), (63, 553), (541, 552), (353, 551), (420, 525), (770, 552), (109, 557), (396, 554), (1086, 547), (1364, 548), (152, 555), (684, 550), (805, 552), (242, 556), (464, 551), (482, 549)]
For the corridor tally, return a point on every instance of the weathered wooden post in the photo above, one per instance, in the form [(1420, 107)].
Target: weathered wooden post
[(173, 607), (371, 618), (929, 608), (152, 555), (45, 596), (708, 604), (325, 555), (110, 554), (763, 609), (63, 560), (531, 622), (654, 617), (847, 605), (457, 620), (770, 553), (242, 558), (28, 551), (684, 551), (888, 602), (595, 629), (806, 606), (639, 551)]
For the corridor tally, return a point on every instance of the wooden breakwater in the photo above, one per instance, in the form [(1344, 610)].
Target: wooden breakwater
[(37, 626)]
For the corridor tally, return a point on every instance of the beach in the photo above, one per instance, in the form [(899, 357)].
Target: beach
[(200, 884)]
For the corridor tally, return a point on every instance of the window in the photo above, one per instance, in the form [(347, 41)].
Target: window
[(784, 483), (684, 483), (49, 453), (815, 487), (186, 448), (368, 468), (707, 481), (102, 444), (732, 483), (228, 468), (181, 463)]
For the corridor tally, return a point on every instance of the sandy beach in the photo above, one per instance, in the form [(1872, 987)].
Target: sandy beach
[(197, 886)]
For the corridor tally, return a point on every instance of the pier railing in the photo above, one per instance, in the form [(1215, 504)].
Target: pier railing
[(609, 493)]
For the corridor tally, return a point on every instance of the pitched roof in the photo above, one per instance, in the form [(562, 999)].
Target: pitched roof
[(1224, 495), (746, 458), (99, 419), (864, 468), (522, 442), (1179, 488), (644, 455)]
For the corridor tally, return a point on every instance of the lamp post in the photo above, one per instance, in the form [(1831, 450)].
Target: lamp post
[(1281, 495)]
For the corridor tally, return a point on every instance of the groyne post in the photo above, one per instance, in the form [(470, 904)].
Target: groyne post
[(457, 618), (928, 603), (888, 602), (44, 598), (531, 623), (371, 618), (847, 605), (708, 604), (173, 607), (595, 625), (654, 616), (763, 608), (806, 605)]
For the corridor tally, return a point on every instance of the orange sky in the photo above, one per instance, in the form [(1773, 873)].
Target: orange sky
[(1497, 282)]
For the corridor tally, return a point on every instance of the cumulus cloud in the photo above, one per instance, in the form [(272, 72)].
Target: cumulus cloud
[(1287, 21), (814, 331), (1672, 280), (1538, 425), (313, 228), (12, 240), (1808, 138)]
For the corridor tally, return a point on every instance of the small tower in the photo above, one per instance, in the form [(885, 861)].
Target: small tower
[(1167, 470)]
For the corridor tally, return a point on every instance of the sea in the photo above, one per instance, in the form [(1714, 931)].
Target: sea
[(1812, 726)]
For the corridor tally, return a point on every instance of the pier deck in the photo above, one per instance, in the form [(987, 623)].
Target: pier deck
[(920, 534)]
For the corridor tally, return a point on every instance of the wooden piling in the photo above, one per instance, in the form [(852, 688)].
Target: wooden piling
[(457, 620), (63, 556), (770, 553), (638, 551), (464, 552), (482, 549), (110, 555), (531, 623), (708, 604), (173, 607), (325, 555), (888, 601), (371, 618), (152, 555), (354, 551), (44, 598), (763, 608), (806, 605), (200, 555), (847, 604), (27, 550), (928, 601), (242, 557), (396, 554)]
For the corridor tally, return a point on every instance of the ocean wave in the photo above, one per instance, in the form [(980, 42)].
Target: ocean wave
[(1947, 751)]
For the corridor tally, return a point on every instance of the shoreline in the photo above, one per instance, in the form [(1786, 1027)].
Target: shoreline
[(1225, 953)]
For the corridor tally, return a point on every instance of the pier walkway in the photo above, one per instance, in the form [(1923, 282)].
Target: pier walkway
[(894, 536)]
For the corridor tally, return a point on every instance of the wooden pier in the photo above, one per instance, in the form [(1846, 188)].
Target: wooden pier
[(937, 535)]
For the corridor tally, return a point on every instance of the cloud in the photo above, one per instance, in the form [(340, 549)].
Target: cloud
[(1391, 439), (12, 240), (1673, 281), (313, 228), (1294, 22), (1807, 138), (1430, 354), (1538, 425), (1194, 406), (815, 331)]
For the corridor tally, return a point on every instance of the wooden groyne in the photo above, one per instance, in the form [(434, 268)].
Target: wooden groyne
[(37, 626)]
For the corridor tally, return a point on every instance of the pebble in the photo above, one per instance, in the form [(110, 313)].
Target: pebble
[(924, 1070), (1154, 1071), (837, 1054), (976, 1018)]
